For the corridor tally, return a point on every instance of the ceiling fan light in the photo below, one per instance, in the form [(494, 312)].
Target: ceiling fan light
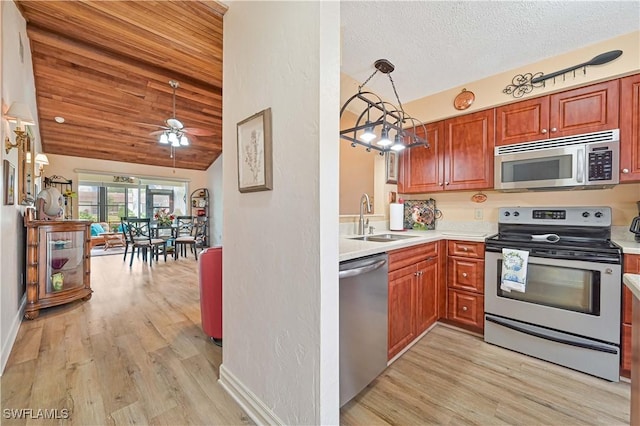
[(164, 139), (173, 139), (184, 141)]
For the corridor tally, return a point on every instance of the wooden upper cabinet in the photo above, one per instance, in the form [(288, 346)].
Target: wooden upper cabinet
[(420, 168), (583, 110), (630, 129), (522, 121), (468, 158), (460, 156)]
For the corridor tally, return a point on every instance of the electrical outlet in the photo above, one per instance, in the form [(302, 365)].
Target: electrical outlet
[(477, 214)]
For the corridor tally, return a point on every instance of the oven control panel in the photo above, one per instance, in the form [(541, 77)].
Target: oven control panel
[(576, 216)]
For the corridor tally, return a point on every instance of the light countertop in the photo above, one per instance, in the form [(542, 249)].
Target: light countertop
[(352, 249), (633, 282)]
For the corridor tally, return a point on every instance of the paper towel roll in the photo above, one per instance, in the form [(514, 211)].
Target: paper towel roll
[(396, 217)]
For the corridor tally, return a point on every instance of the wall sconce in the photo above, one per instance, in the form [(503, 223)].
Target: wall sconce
[(41, 161), (20, 114)]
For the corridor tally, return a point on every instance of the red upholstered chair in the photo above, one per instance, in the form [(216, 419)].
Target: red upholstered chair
[(210, 276)]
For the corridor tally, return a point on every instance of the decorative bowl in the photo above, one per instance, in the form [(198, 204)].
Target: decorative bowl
[(59, 262)]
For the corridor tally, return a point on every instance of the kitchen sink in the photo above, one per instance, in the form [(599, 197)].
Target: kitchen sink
[(383, 238)]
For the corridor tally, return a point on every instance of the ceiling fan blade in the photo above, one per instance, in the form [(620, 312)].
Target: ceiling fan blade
[(148, 125), (198, 132), (157, 132)]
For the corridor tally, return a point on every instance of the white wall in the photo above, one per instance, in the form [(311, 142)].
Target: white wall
[(280, 263), (214, 183), (17, 85)]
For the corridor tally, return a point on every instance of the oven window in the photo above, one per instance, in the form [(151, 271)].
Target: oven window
[(559, 287), (556, 167)]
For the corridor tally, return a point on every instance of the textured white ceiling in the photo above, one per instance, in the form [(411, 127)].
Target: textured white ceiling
[(438, 45)]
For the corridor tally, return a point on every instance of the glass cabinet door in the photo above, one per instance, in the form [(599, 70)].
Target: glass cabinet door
[(63, 265)]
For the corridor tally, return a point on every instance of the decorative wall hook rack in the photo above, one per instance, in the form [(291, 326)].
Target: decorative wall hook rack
[(525, 83)]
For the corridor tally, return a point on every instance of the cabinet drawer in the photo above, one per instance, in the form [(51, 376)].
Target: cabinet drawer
[(466, 274), (466, 308), (412, 255), (466, 249)]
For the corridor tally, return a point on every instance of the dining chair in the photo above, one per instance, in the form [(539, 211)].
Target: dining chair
[(187, 229), (139, 231)]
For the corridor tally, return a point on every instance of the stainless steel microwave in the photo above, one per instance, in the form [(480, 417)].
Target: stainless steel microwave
[(587, 161)]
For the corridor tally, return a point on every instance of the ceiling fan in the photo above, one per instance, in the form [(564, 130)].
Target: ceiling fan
[(174, 133)]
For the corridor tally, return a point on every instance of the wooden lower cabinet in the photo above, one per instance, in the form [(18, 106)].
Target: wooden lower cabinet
[(466, 308), (631, 266), (465, 284), (413, 294)]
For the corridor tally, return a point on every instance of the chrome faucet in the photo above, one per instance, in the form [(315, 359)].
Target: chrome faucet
[(363, 200)]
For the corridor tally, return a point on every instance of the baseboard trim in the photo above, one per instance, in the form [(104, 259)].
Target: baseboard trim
[(7, 345), (250, 403)]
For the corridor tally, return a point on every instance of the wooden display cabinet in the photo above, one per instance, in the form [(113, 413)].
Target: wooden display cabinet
[(58, 263)]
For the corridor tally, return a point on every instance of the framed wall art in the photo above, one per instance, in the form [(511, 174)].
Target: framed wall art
[(254, 153), (391, 158), (9, 182)]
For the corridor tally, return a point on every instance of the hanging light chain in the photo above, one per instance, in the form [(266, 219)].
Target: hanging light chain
[(367, 80), (397, 97)]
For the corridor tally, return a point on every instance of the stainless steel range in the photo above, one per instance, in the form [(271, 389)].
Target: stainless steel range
[(567, 311)]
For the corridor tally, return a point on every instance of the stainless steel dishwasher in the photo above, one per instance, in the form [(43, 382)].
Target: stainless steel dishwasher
[(363, 323)]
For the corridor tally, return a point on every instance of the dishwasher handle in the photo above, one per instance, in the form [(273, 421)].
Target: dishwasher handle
[(347, 273)]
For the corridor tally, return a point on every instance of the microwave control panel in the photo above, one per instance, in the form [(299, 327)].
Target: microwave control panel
[(600, 164)]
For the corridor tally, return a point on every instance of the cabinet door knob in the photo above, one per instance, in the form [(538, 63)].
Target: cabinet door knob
[(465, 309), (464, 274), (440, 184), (415, 274), (553, 130), (543, 131), (446, 183), (625, 170)]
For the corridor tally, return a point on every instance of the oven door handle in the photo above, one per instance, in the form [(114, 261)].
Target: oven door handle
[(550, 238), (592, 346)]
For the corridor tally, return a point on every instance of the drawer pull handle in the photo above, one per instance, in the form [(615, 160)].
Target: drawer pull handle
[(465, 309), (464, 274), (465, 249)]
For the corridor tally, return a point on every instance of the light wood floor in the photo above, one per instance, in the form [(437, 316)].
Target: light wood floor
[(135, 354), (450, 377)]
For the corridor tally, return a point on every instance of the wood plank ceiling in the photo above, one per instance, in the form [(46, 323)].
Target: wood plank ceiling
[(105, 67)]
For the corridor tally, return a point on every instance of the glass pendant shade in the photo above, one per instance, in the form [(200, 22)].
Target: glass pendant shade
[(397, 144), (384, 138), (368, 134), (184, 141), (164, 139)]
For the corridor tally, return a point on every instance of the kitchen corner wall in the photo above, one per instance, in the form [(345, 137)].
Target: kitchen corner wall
[(214, 183), (456, 206)]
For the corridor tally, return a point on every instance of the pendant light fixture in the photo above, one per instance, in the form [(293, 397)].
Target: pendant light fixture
[(397, 129)]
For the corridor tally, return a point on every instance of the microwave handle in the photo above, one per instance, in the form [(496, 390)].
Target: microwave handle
[(580, 168)]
